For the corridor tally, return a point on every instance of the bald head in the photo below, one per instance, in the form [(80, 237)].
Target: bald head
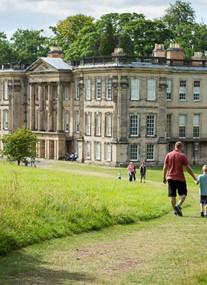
[(178, 145)]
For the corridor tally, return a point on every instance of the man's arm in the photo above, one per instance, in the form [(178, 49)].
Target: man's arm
[(190, 171), (165, 167)]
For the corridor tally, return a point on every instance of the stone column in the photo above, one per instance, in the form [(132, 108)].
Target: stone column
[(50, 118), (41, 107), (59, 108), (32, 107)]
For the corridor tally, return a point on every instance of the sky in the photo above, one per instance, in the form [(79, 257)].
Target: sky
[(41, 14)]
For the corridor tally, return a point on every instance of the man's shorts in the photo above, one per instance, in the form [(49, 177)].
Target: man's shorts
[(174, 185), (203, 199)]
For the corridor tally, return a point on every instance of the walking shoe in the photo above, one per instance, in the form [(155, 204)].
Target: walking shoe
[(178, 210), (205, 216), (202, 214), (175, 213)]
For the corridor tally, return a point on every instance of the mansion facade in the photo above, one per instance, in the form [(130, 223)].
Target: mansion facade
[(109, 110)]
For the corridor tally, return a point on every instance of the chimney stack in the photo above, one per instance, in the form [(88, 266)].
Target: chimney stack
[(56, 52)]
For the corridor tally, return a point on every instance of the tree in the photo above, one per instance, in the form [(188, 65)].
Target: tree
[(68, 31), (19, 145), (181, 13), (28, 45), (6, 53)]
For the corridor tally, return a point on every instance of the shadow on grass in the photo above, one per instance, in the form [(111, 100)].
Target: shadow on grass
[(19, 268)]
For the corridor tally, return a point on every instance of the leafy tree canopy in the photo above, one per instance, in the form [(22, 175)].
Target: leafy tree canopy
[(28, 45), (19, 145)]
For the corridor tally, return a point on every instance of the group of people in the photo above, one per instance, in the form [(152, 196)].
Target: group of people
[(173, 174), (132, 172)]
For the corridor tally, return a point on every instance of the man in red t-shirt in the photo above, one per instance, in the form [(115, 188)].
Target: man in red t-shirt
[(174, 164)]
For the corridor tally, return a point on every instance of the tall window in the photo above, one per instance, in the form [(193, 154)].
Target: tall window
[(67, 122), (150, 152), (150, 125), (88, 124), (77, 121), (108, 126), (66, 92), (98, 151), (169, 126), (88, 89), (196, 125), (108, 89), (182, 126), (108, 151), (134, 89), (151, 89), (169, 90), (98, 125), (6, 90), (182, 90), (98, 89), (196, 90), (134, 152), (78, 89), (6, 119), (88, 150), (134, 131)]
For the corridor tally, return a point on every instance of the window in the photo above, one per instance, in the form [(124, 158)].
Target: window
[(150, 152), (98, 89), (108, 152), (134, 152), (169, 90), (134, 89), (88, 150), (196, 91), (6, 90), (150, 125), (98, 151), (169, 126), (134, 125), (78, 89), (67, 122), (88, 124), (88, 89), (66, 92), (182, 124), (98, 125), (77, 121), (196, 126), (151, 87), (108, 89), (6, 119), (182, 90), (108, 120)]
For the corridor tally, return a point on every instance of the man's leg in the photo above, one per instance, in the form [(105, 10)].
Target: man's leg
[(173, 202), (181, 200)]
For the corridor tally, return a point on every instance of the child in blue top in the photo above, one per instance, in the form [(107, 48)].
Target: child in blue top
[(202, 180)]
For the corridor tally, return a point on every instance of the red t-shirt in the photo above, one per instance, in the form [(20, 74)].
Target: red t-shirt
[(176, 160)]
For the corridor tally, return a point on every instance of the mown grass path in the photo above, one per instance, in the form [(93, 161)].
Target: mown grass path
[(168, 250)]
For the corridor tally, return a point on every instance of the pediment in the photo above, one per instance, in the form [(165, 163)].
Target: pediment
[(41, 66), (44, 67)]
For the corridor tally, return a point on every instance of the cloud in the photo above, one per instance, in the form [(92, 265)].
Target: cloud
[(41, 14)]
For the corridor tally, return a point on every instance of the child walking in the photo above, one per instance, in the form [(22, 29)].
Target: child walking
[(202, 180)]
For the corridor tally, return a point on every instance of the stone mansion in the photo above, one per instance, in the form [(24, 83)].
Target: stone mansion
[(109, 110)]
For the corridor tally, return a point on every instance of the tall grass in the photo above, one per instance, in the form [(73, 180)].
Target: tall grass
[(39, 204)]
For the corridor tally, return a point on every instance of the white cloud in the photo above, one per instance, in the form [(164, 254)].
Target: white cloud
[(40, 14)]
